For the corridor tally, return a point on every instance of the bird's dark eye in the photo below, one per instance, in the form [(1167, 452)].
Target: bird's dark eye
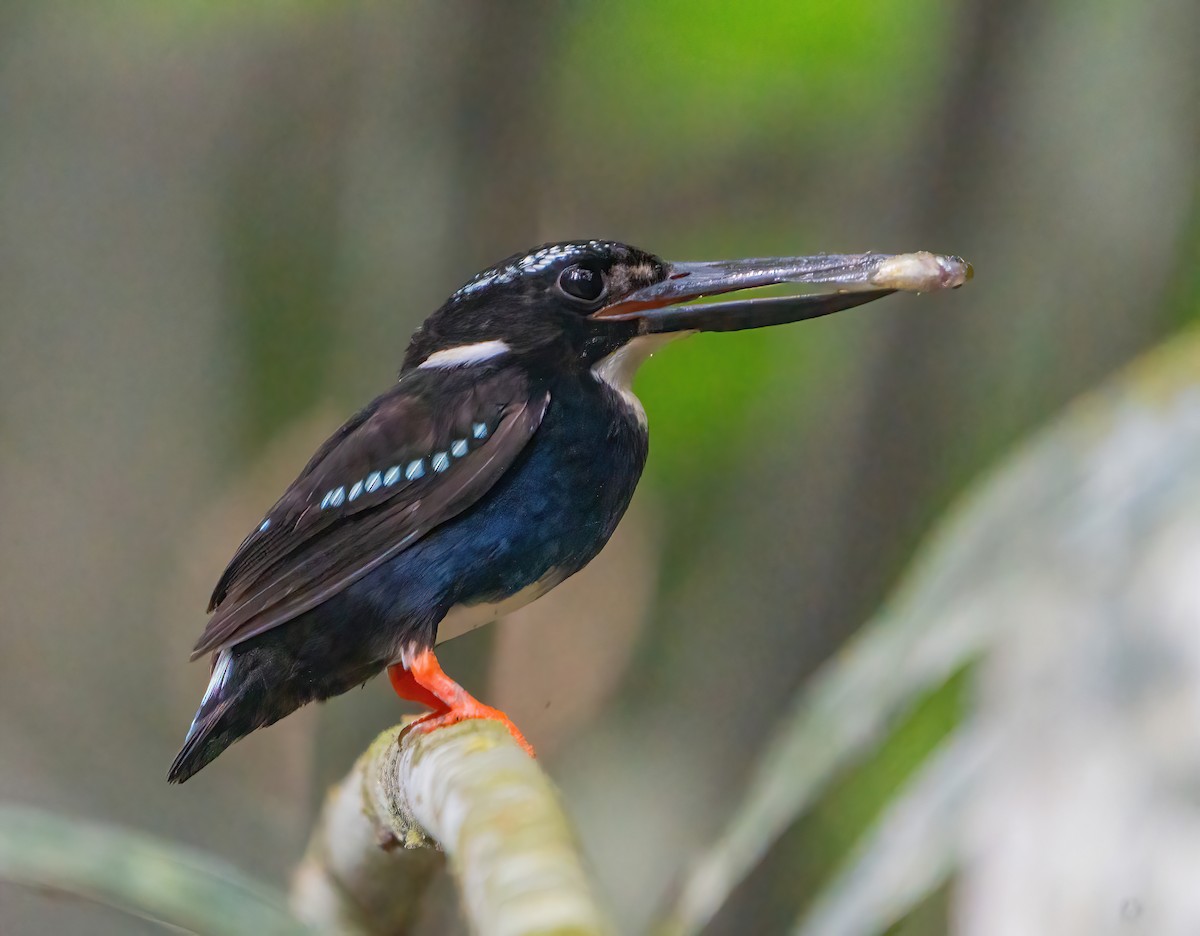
[(582, 282)]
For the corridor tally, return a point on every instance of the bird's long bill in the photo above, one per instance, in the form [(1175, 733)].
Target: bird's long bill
[(857, 278)]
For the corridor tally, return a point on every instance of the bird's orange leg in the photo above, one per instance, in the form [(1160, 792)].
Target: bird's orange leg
[(424, 681), (409, 689)]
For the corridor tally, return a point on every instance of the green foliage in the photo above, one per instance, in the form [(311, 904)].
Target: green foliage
[(851, 807), (137, 873), (1066, 561), (220, 215), (676, 73)]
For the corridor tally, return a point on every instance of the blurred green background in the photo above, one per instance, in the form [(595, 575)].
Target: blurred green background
[(219, 223)]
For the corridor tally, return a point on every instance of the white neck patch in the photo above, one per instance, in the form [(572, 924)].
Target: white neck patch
[(617, 369), (465, 354)]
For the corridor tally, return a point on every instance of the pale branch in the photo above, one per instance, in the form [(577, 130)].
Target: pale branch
[(365, 869), (470, 791)]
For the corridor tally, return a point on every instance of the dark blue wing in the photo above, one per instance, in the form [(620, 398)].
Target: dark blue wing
[(413, 459)]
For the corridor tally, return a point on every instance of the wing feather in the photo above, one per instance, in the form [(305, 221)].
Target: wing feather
[(413, 459)]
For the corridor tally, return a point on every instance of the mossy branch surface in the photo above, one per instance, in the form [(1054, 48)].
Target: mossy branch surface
[(470, 793)]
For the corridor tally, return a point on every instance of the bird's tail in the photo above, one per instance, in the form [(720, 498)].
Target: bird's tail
[(235, 704)]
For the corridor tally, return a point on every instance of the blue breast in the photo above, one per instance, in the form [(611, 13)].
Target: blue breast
[(553, 510)]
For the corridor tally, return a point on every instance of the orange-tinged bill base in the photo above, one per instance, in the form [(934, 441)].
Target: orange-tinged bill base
[(425, 682)]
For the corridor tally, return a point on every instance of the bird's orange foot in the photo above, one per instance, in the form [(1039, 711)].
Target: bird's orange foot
[(424, 681), (467, 710)]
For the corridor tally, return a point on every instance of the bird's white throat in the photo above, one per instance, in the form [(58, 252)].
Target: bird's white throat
[(617, 370)]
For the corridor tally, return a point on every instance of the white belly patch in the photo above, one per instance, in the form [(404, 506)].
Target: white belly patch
[(465, 618)]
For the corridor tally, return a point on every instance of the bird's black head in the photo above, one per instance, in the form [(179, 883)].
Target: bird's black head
[(539, 304), (572, 304)]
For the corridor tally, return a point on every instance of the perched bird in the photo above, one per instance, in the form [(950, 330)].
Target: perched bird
[(494, 468)]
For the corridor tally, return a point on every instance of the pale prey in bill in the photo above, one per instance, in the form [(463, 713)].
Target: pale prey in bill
[(495, 467)]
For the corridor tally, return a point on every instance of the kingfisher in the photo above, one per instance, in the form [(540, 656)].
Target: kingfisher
[(497, 466)]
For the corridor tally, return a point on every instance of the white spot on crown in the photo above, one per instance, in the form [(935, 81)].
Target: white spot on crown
[(535, 262)]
